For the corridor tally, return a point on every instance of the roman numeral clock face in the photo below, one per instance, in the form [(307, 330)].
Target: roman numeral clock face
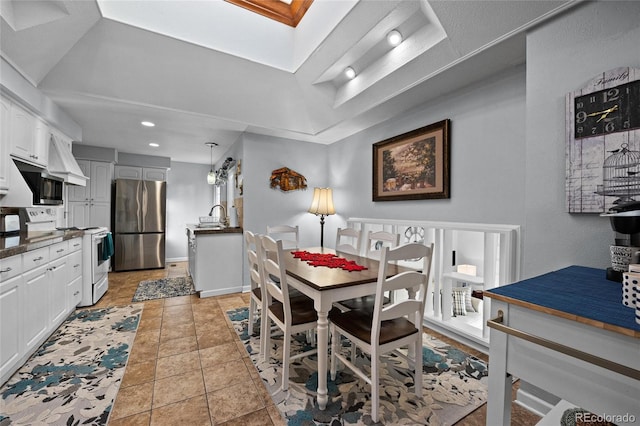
[(608, 111)]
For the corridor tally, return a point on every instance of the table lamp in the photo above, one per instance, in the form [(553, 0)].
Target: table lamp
[(322, 205)]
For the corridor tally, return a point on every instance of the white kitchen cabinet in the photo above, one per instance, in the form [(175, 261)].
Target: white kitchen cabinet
[(91, 205), (74, 285), (29, 136), (38, 290), (128, 172), (84, 214), (217, 262), (98, 190), (140, 173), (5, 143), (58, 291), (10, 326), (58, 269), (150, 173), (35, 312)]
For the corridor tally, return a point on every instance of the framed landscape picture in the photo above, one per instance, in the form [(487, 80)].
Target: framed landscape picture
[(414, 165)]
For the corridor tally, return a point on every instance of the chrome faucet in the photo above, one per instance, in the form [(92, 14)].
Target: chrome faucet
[(224, 219)]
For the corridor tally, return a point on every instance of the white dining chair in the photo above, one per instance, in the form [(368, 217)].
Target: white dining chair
[(386, 328), (258, 302), (352, 236), (386, 239), (377, 240), (289, 235), (291, 314)]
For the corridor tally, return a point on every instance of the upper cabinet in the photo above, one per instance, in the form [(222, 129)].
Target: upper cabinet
[(140, 173), (29, 136), (99, 188), (91, 205), (5, 143)]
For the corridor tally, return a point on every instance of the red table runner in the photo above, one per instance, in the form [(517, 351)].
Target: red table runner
[(328, 260)]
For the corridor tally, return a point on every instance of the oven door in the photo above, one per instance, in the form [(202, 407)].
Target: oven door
[(99, 262)]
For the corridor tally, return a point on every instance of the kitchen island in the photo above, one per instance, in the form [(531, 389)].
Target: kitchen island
[(566, 332), (215, 259)]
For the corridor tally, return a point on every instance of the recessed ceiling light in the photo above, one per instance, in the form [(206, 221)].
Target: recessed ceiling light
[(394, 37), (153, 144), (350, 73), (147, 124)]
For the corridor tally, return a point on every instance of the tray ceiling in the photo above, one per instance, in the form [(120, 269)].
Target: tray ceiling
[(209, 70)]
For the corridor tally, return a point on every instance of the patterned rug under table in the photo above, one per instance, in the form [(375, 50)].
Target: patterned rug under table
[(74, 377), (454, 384), (163, 288)]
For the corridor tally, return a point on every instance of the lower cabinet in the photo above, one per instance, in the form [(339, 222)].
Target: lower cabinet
[(58, 291), (217, 267), (35, 312), (38, 290), (10, 302)]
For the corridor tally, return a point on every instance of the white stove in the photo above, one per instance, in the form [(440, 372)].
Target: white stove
[(95, 265)]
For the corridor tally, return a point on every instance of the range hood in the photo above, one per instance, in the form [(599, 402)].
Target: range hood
[(63, 164)]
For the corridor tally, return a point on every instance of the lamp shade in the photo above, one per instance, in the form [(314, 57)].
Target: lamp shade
[(211, 177), (322, 203)]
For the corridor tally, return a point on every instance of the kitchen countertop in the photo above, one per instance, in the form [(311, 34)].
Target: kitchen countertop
[(197, 230), (11, 246)]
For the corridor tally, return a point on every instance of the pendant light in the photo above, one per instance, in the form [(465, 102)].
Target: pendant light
[(211, 177)]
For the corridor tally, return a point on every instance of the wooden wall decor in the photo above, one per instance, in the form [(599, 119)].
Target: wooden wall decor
[(287, 180)]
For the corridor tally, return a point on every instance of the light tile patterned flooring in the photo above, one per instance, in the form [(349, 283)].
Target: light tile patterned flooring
[(188, 367)]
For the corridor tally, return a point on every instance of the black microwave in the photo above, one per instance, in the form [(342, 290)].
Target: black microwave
[(47, 189)]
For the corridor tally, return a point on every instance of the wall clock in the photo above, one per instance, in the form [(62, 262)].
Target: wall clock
[(603, 142)]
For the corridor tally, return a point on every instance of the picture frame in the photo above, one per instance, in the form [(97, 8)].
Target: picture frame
[(414, 165)]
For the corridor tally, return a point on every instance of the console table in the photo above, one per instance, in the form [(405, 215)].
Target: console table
[(568, 333)]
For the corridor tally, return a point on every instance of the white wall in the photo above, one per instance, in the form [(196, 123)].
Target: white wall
[(562, 56), (487, 158), (265, 206), (188, 196)]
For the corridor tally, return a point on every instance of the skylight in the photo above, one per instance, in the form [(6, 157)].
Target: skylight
[(288, 12), (224, 27)]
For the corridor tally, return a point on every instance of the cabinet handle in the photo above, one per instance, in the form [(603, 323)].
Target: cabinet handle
[(5, 270), (59, 251), (53, 268), (76, 293), (76, 265), (38, 258), (77, 245)]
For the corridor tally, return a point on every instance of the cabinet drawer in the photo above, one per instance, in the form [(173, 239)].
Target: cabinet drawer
[(58, 250), (75, 264), (10, 267), (74, 293), (75, 244), (35, 258)]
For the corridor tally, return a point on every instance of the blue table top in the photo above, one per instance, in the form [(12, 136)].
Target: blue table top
[(575, 290)]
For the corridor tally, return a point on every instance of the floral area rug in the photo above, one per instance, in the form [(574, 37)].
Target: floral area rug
[(73, 378), (163, 288), (454, 384)]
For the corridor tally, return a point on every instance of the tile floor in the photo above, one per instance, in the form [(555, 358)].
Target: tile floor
[(187, 365)]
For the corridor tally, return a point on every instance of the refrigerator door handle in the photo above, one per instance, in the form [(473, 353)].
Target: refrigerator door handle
[(138, 207), (145, 206)]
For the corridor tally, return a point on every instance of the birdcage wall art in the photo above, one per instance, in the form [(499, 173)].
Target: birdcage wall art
[(621, 175)]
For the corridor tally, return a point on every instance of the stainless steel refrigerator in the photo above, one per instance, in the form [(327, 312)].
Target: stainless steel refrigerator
[(139, 224)]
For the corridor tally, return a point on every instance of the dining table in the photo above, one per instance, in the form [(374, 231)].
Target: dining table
[(327, 285)]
